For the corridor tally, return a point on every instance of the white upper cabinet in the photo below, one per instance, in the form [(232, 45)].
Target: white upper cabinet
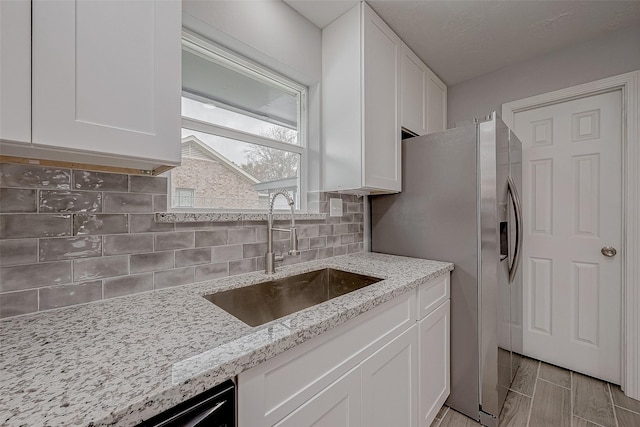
[(15, 71), (361, 59), (106, 82), (424, 96)]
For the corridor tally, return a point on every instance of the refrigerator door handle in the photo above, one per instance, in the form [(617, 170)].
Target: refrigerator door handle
[(517, 207)]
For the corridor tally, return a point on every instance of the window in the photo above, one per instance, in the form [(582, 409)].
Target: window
[(184, 197), (243, 133)]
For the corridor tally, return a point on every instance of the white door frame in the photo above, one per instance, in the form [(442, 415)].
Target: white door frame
[(629, 83)]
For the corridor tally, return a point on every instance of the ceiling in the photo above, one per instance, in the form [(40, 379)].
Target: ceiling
[(460, 40)]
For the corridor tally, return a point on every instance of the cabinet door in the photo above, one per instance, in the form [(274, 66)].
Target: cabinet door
[(389, 386), (434, 363), (106, 77), (414, 92), (382, 58), (436, 103), (338, 405), (15, 71)]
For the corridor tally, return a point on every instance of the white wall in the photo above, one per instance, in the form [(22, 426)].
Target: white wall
[(593, 60), (270, 33)]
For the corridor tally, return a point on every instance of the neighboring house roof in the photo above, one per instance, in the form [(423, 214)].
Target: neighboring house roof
[(194, 148)]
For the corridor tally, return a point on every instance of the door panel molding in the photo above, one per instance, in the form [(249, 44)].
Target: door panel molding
[(629, 83)]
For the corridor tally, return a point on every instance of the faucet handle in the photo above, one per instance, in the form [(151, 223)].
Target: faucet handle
[(293, 239)]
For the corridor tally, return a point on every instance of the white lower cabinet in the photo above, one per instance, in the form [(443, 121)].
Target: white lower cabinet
[(434, 381), (339, 405), (383, 368), (389, 386)]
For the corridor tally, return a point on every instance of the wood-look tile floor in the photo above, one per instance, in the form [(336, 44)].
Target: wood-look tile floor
[(544, 395)]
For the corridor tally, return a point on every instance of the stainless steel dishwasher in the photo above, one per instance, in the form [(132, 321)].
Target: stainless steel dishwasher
[(213, 408)]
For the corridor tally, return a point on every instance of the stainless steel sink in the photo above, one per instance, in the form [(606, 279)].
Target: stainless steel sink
[(263, 302)]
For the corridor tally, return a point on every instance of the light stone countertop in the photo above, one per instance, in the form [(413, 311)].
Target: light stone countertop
[(123, 360)]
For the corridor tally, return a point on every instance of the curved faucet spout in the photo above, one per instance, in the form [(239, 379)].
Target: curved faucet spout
[(270, 257)]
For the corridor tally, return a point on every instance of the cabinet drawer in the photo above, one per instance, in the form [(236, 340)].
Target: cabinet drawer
[(432, 294), (273, 389)]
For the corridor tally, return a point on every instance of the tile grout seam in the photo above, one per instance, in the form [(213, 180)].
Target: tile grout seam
[(571, 397), (552, 383), (613, 406), (535, 383)]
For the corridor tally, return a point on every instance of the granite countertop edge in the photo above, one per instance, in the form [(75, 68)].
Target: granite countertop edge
[(181, 217), (252, 346)]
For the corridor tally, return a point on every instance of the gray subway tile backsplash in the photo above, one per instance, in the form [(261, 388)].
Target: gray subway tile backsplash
[(160, 202), (148, 184), (174, 240), (21, 251), (211, 271), (21, 226), (211, 238), (29, 276), (175, 277), (100, 181), (188, 257), (226, 253), (72, 294), (145, 223), (74, 236), (32, 176), (126, 285), (127, 203), (99, 224), (70, 201), (241, 235), (97, 268), (118, 244), (242, 266), (18, 200), (141, 263), (17, 303), (61, 248)]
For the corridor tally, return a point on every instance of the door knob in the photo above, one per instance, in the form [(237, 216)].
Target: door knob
[(609, 251)]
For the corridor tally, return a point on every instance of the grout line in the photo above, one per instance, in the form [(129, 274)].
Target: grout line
[(533, 395), (571, 396), (626, 409), (520, 393), (613, 406), (584, 419), (552, 383), (446, 411)]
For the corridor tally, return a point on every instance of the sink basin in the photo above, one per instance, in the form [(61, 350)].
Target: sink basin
[(263, 302)]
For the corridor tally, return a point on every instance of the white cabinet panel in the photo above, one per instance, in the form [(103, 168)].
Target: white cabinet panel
[(389, 386), (272, 390), (382, 56), (424, 96), (434, 362), (339, 405), (414, 103), (15, 71), (361, 103), (436, 103), (106, 77), (432, 294)]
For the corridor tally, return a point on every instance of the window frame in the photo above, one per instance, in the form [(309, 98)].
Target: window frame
[(244, 66)]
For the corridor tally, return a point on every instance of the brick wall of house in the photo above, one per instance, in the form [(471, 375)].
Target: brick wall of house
[(215, 185), (74, 236)]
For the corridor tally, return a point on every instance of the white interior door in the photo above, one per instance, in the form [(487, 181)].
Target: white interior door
[(572, 203)]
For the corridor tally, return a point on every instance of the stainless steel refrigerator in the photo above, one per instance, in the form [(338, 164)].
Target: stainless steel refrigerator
[(460, 203)]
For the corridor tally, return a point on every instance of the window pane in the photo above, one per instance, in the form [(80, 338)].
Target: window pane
[(235, 94), (231, 174), (210, 113)]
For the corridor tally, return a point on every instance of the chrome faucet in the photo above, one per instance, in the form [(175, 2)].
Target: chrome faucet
[(271, 258)]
